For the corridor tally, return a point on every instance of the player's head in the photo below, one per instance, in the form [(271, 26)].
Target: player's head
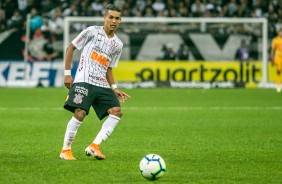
[(112, 17)]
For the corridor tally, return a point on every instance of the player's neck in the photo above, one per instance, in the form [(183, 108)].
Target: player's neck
[(109, 33)]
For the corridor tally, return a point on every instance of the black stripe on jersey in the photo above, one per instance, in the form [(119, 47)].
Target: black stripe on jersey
[(88, 53), (103, 40)]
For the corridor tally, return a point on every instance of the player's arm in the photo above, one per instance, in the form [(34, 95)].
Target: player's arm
[(272, 52), (120, 94), (68, 62)]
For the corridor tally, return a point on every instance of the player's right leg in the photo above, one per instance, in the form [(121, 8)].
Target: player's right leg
[(78, 102), (278, 81), (71, 131)]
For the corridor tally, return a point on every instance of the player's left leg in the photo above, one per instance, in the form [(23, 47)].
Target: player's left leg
[(278, 75), (106, 105), (107, 129)]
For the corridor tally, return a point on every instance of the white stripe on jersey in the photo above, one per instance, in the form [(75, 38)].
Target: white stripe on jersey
[(99, 52)]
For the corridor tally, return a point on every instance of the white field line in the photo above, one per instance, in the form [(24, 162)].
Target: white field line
[(214, 108)]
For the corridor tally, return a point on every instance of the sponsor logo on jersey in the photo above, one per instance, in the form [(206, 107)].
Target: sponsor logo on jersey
[(97, 79), (78, 99), (99, 59), (81, 90)]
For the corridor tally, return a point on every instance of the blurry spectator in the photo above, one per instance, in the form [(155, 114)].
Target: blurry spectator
[(149, 3), (16, 20), (183, 52), (3, 22), (140, 4), (149, 12), (119, 3), (9, 6), (271, 14), (198, 8), (126, 11), (22, 4), (213, 9), (85, 8), (71, 11), (48, 5), (158, 6), (56, 23), (243, 52), (171, 4), (168, 51), (230, 9), (49, 53), (161, 14), (183, 10), (172, 13), (257, 9), (243, 10), (36, 20), (97, 7)]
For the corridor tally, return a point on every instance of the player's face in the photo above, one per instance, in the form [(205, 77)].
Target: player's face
[(112, 20)]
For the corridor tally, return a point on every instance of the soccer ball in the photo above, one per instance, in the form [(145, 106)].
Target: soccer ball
[(152, 167)]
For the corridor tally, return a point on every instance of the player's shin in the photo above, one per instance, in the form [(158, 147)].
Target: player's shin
[(278, 81), (107, 129), (71, 130)]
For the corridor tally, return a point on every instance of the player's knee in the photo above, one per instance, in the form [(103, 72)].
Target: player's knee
[(116, 111), (79, 114)]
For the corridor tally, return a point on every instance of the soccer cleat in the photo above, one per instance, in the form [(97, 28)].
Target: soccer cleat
[(94, 150), (67, 155), (278, 89)]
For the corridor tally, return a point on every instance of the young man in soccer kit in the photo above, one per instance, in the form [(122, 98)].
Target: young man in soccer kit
[(276, 57), (94, 83)]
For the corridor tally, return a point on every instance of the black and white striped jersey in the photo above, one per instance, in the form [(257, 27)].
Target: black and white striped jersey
[(99, 52)]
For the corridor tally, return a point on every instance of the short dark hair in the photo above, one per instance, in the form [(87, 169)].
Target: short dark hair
[(113, 8)]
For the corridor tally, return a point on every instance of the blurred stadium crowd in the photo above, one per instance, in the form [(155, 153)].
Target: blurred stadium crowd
[(49, 14)]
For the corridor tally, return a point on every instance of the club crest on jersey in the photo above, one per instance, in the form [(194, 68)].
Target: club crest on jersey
[(113, 47), (78, 99)]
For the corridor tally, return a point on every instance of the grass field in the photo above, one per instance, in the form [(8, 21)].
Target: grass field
[(204, 136)]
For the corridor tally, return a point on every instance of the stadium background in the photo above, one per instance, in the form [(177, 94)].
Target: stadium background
[(47, 36), (205, 136)]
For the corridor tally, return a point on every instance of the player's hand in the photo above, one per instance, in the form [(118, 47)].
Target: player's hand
[(68, 81), (122, 96), (271, 59), (272, 62)]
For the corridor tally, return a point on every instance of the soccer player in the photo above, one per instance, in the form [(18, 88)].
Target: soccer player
[(276, 57), (94, 83)]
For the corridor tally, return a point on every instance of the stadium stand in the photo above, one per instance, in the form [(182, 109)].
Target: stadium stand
[(48, 15)]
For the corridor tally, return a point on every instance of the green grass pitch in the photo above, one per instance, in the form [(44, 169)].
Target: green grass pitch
[(204, 136)]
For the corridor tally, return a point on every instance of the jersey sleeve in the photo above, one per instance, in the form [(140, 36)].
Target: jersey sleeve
[(84, 36)]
